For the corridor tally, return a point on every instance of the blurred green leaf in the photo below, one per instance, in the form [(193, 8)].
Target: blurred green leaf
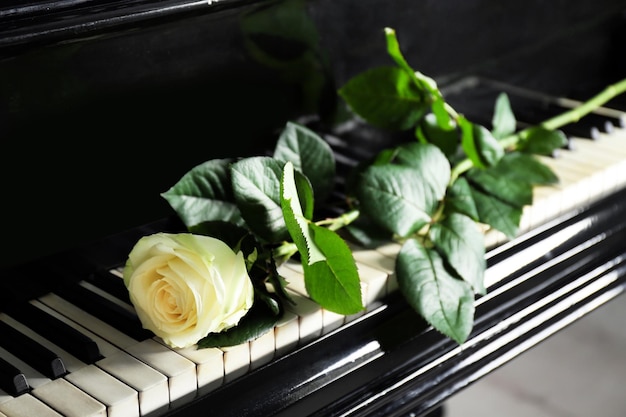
[(385, 97), (459, 199), (503, 121), (479, 145), (429, 131), (525, 167), (512, 191), (541, 141)]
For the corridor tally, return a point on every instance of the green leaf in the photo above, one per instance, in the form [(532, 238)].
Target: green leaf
[(333, 283), (446, 302), (256, 185), (429, 131), (541, 141), (205, 194), (385, 97), (258, 321), (309, 154), (297, 223), (515, 192), (479, 145), (229, 233), (503, 121), (459, 199), (497, 214), (402, 196), (461, 242), (520, 166)]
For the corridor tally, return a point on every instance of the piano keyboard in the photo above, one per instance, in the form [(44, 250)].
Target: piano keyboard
[(98, 362)]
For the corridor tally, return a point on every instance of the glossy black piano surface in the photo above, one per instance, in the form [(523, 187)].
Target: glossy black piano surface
[(105, 104)]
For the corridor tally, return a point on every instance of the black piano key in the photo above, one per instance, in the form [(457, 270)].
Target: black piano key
[(37, 356), (106, 310), (106, 281), (12, 380), (57, 332)]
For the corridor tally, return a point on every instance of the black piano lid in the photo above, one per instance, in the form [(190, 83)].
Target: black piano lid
[(80, 81), (93, 90)]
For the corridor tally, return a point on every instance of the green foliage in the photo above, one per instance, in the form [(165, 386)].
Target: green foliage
[(433, 195)]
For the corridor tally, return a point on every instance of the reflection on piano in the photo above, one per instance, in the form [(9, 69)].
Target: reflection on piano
[(182, 75)]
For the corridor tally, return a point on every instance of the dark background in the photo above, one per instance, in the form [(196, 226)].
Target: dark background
[(97, 120)]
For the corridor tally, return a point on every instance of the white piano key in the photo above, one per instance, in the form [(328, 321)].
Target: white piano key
[(209, 366), (120, 399), (262, 349), (180, 372), (236, 361), (310, 318), (118, 395), (286, 333), (70, 401), (4, 397), (27, 406), (376, 269), (151, 386), (148, 382), (58, 393)]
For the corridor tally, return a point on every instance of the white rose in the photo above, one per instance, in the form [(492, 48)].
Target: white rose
[(185, 286)]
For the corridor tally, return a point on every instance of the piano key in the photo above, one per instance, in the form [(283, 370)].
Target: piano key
[(286, 333), (151, 386), (67, 399), (57, 393), (27, 406), (4, 397), (107, 281), (209, 364), (39, 357), (120, 399), (109, 312), (29, 378), (378, 260), (135, 374), (588, 172), (12, 379), (236, 361), (180, 371), (56, 331), (262, 349), (309, 314)]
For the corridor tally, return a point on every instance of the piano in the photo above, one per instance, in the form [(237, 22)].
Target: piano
[(105, 104)]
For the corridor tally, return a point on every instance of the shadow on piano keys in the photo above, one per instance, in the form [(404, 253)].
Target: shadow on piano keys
[(70, 343)]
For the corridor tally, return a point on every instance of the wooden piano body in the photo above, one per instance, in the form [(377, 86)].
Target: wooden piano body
[(105, 104)]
